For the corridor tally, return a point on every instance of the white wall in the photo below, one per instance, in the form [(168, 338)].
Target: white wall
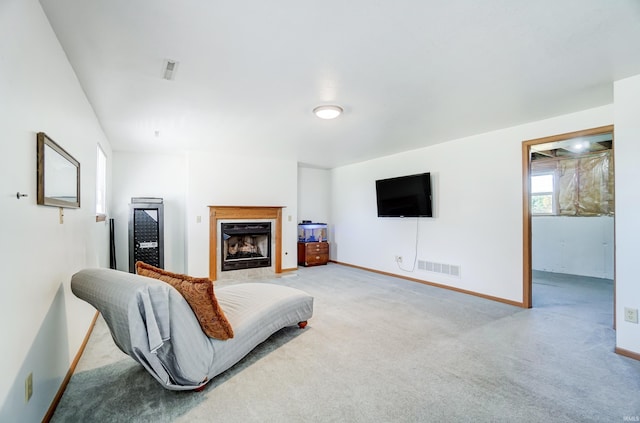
[(314, 194), (627, 161), (574, 245), (151, 175), (41, 323), (477, 188), (222, 179), (191, 182)]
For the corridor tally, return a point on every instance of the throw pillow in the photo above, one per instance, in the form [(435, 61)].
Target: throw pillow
[(199, 294)]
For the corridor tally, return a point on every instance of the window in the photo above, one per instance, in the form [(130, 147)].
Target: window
[(543, 194), (101, 185)]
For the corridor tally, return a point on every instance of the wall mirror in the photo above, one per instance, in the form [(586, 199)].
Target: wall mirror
[(58, 175)]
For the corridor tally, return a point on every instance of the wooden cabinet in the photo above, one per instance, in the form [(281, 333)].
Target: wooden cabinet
[(313, 253)]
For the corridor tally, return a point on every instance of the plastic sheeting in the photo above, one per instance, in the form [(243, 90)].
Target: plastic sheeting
[(584, 184)]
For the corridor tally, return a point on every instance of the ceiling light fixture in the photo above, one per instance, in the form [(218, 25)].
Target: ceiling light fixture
[(579, 146), (328, 111)]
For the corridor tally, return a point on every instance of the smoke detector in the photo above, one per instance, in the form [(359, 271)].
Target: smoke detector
[(170, 68)]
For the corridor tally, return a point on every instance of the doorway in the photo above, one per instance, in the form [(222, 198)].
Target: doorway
[(550, 154)]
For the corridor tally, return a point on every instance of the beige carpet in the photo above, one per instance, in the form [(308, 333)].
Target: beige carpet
[(381, 349)]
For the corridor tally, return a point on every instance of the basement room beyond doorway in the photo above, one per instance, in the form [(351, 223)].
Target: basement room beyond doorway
[(569, 221)]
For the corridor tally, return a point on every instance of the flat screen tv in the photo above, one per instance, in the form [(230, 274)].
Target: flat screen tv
[(404, 196)]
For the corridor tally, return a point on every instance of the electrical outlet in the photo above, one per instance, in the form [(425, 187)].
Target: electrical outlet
[(631, 315), (28, 387), (398, 259)]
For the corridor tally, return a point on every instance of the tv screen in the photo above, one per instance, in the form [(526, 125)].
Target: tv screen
[(405, 196)]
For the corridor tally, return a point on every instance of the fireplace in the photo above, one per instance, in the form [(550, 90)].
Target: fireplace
[(245, 245), (220, 214)]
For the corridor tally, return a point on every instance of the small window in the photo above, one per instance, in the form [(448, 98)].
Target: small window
[(543, 194), (101, 185)]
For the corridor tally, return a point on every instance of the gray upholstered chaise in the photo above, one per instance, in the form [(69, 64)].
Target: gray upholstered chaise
[(151, 321)]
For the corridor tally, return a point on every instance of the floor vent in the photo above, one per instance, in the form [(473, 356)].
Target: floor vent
[(446, 269)]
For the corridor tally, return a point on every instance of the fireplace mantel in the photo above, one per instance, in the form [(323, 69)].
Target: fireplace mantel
[(242, 212)]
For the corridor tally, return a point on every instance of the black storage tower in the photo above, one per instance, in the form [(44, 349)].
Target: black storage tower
[(146, 232)]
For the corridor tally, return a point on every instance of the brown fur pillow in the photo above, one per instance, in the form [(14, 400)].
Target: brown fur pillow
[(199, 294)]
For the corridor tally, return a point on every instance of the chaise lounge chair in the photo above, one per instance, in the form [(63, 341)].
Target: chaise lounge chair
[(152, 322)]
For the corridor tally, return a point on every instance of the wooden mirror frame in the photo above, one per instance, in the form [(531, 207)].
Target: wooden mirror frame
[(42, 141)]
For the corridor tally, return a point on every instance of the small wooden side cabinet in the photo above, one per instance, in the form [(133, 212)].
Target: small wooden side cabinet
[(313, 253)]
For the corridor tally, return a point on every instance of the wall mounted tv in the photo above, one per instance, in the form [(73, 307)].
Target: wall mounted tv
[(404, 196)]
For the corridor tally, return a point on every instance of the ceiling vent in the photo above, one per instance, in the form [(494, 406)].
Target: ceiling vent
[(170, 68)]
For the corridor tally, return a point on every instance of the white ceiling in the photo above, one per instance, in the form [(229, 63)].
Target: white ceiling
[(408, 73)]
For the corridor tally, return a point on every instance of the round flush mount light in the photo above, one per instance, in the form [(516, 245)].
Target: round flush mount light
[(328, 111)]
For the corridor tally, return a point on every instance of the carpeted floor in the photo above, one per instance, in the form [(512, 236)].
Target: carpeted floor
[(381, 349)]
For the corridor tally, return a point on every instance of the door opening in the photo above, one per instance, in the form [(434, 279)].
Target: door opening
[(552, 186)]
